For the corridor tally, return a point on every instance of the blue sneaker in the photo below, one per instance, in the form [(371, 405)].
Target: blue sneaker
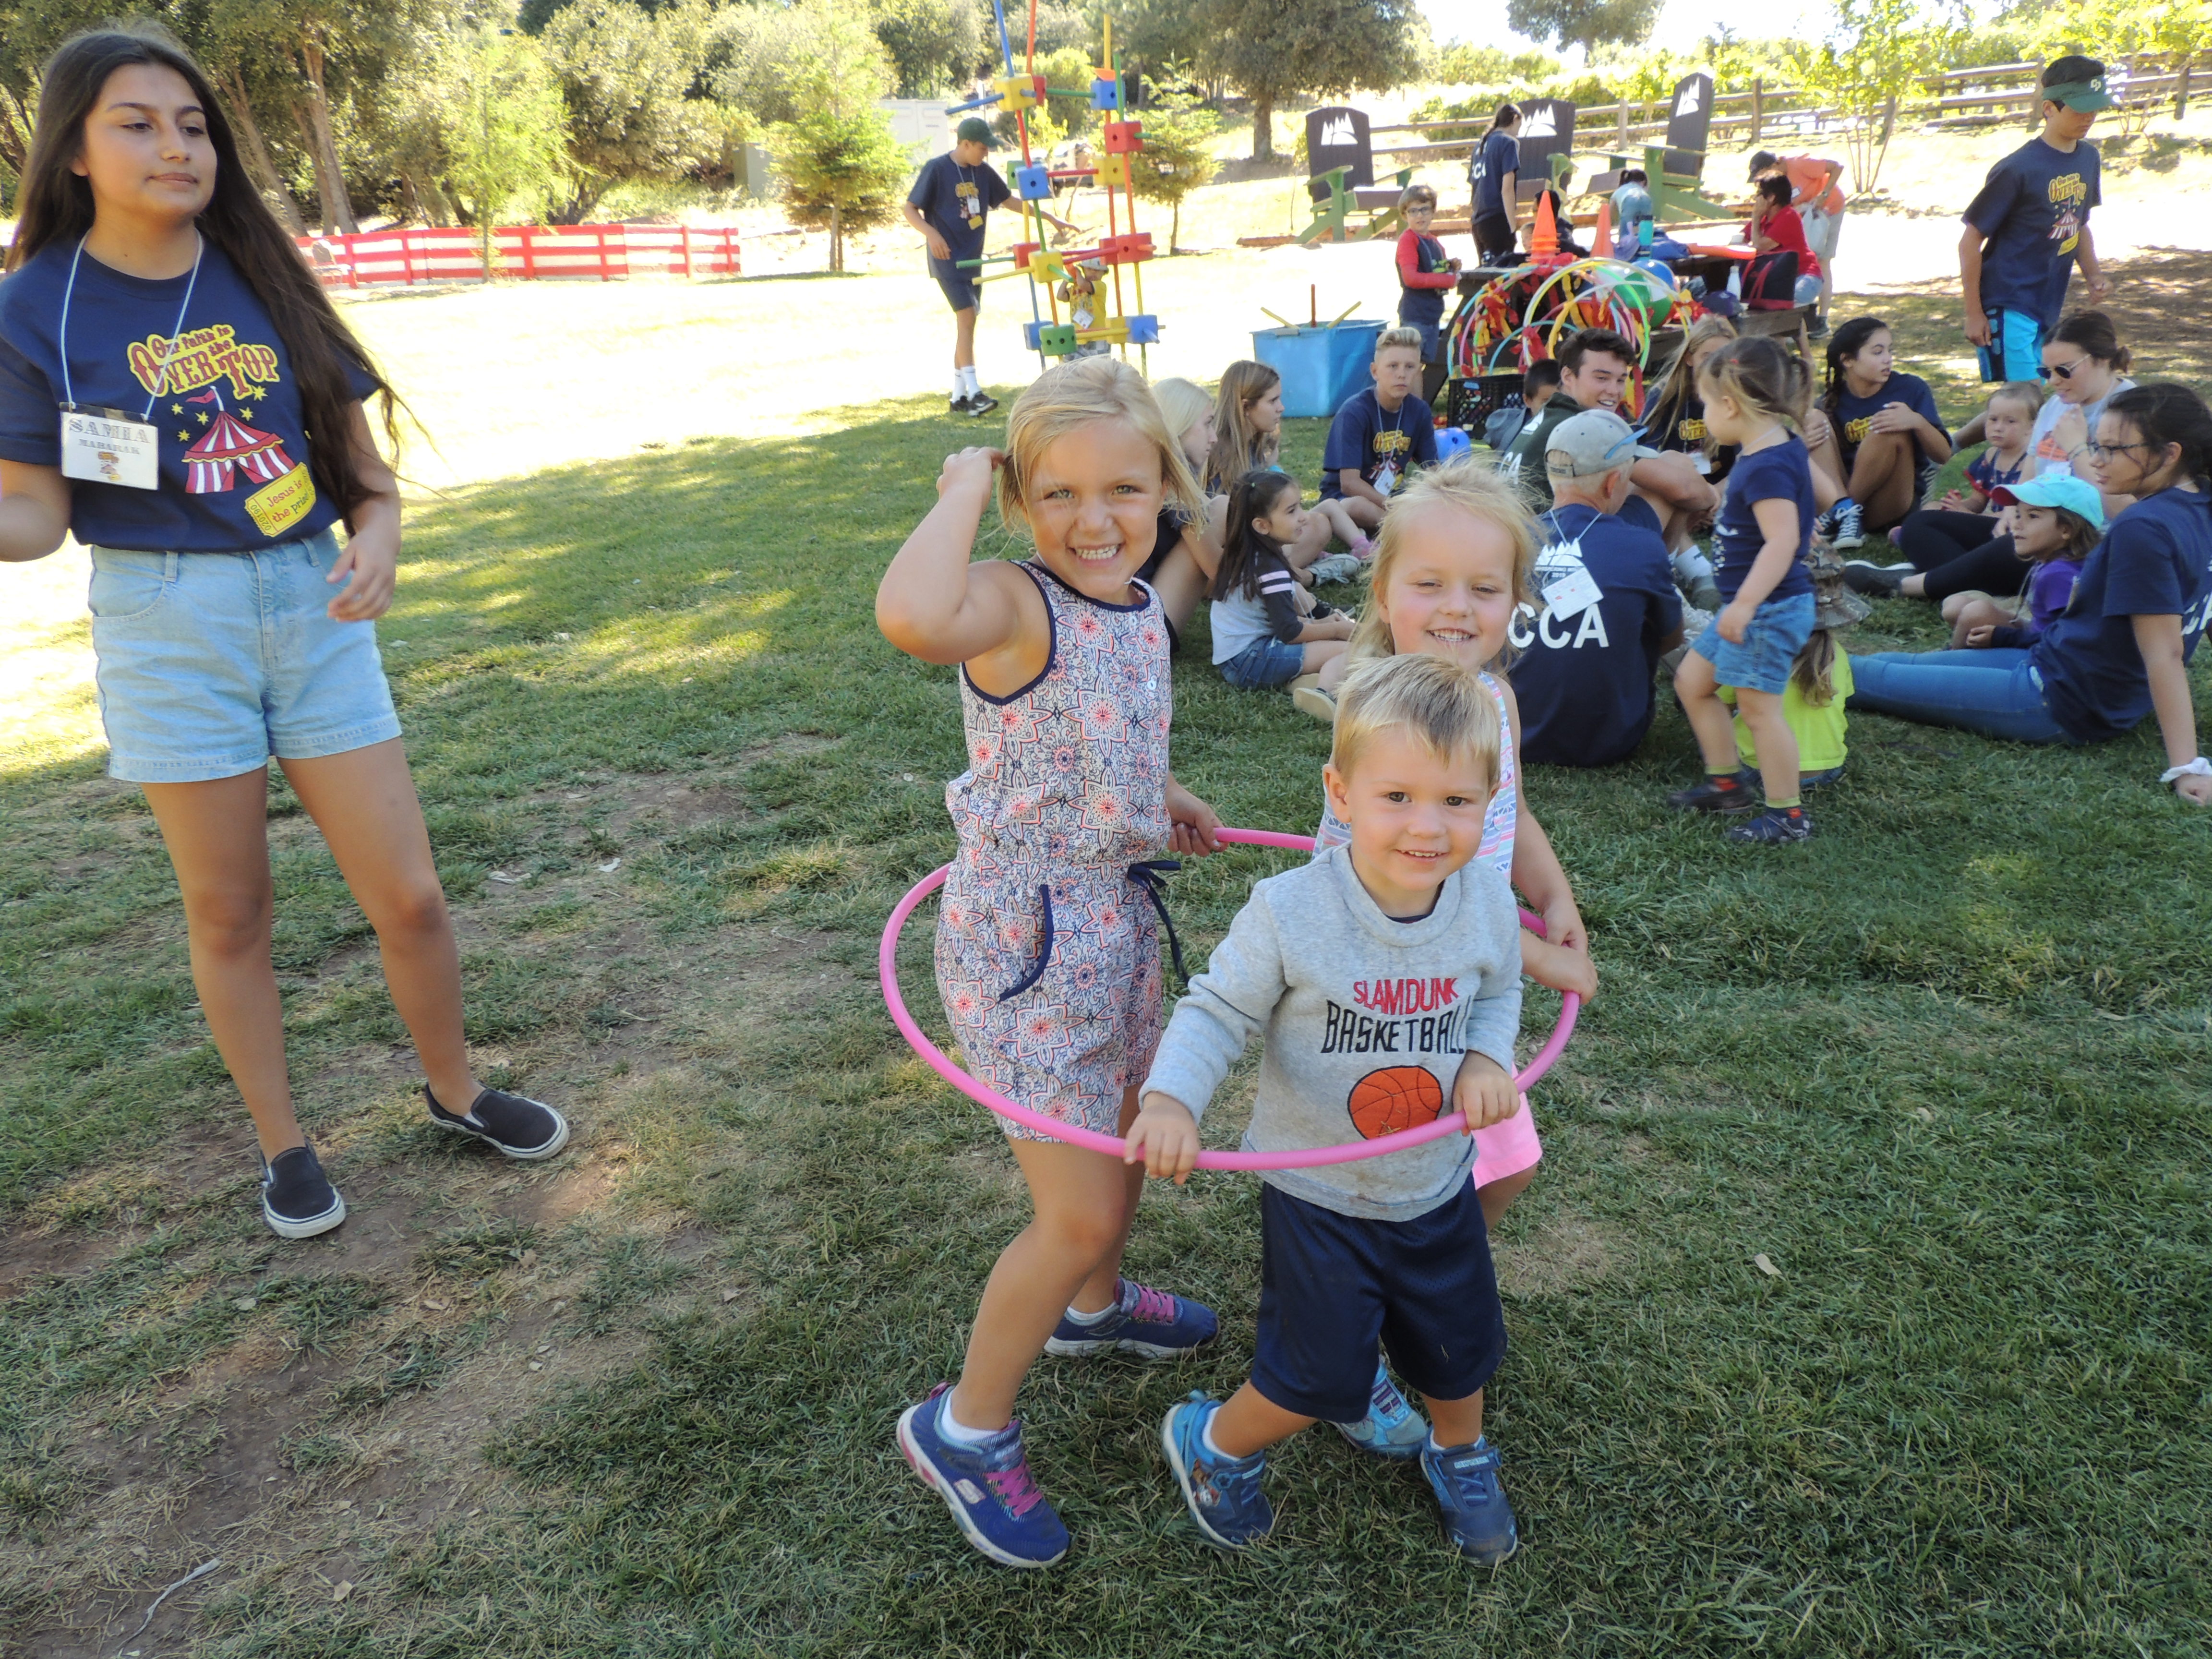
[(1392, 1428), (1222, 1493), (1476, 1513), (987, 1488), (1153, 1323)]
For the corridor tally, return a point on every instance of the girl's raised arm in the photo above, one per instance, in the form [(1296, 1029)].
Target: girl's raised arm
[(932, 603)]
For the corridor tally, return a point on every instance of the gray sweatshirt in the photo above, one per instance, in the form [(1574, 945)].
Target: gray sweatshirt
[(1366, 1019)]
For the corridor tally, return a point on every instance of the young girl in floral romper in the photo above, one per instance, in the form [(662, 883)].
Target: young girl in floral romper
[(1047, 956)]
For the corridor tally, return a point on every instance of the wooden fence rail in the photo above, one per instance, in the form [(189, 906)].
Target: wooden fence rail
[(532, 252)]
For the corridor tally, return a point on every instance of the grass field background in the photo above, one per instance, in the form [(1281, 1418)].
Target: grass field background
[(1945, 1067)]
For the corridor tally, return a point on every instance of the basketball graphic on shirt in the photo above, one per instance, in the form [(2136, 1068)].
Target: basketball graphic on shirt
[(1395, 1099)]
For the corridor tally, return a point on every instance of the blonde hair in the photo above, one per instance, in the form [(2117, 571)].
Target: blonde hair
[(1391, 337), (1435, 703), (1466, 485), (1238, 447), (1674, 392), (1183, 404), (2028, 394), (1761, 377), (1075, 393)]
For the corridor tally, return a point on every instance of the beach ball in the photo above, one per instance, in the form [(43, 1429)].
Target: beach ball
[(1808, 291)]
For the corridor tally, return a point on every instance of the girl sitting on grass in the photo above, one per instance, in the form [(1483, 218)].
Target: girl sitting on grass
[(1046, 955), (1452, 559), (1964, 520), (150, 289), (1260, 637), (1248, 433), (1888, 435), (2056, 521)]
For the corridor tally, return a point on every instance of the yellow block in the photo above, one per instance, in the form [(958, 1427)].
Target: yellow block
[(1019, 91), (1114, 170)]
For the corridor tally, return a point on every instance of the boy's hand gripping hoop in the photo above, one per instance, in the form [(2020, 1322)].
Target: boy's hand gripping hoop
[(1113, 1145)]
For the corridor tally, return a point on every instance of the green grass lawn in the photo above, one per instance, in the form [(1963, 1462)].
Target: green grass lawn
[(1945, 1067)]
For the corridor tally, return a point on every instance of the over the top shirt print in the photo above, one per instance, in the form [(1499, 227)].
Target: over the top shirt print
[(214, 379), (2068, 193)]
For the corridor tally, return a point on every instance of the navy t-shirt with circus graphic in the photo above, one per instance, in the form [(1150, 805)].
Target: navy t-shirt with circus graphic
[(233, 445)]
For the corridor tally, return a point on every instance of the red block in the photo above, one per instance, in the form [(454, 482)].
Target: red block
[(1021, 250), (1126, 249), (1122, 137)]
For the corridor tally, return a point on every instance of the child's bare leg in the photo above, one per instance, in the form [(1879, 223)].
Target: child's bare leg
[(1311, 544), (1361, 511), (1499, 1193), (1457, 1422), (1778, 744), (1708, 715), (1327, 658), (1084, 1204), (1882, 474), (1973, 611), (1341, 524), (1251, 1422)]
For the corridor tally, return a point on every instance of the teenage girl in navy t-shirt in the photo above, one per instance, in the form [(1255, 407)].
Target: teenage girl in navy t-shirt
[(177, 391)]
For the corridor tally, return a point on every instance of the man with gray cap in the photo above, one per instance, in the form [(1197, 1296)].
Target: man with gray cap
[(1607, 609)]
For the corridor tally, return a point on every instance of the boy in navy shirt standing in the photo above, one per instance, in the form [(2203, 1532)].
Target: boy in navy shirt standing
[(1379, 433), (2030, 225)]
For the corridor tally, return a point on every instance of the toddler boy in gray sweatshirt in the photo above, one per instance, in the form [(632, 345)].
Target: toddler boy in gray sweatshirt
[(1386, 976)]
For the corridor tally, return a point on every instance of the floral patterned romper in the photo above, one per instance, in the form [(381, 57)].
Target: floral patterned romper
[(1047, 956)]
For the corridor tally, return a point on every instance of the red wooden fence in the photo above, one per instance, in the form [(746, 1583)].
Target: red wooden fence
[(455, 254)]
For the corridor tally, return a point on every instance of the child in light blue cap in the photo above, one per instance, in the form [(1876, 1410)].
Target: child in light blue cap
[(2056, 520)]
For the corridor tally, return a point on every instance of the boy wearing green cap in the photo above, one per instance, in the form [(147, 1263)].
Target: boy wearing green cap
[(2030, 225)]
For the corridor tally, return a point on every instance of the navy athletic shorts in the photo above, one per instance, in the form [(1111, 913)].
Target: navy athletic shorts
[(1331, 1284)]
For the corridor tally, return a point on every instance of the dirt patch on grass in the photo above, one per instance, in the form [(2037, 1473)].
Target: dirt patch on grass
[(1562, 1252)]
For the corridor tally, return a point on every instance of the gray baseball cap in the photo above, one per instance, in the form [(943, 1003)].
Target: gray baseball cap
[(1591, 443)]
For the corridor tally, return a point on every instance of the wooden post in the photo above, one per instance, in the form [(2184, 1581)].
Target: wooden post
[(1758, 90), (1620, 111), (2181, 87)]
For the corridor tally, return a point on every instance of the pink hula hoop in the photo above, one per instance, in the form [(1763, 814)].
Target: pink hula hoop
[(1113, 1145)]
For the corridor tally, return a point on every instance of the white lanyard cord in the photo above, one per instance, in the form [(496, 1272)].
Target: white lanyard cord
[(169, 348)]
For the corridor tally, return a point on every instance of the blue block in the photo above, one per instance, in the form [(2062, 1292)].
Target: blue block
[(1033, 184), (1105, 93), (1144, 329)]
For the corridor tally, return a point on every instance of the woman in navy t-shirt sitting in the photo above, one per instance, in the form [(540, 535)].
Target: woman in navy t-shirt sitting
[(2120, 651), (1889, 435)]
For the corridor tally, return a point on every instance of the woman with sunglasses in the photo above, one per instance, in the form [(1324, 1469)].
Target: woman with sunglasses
[(2085, 365), (2120, 650)]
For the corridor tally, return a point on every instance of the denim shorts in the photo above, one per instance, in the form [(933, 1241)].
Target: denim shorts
[(209, 663), (1263, 663), (1777, 632)]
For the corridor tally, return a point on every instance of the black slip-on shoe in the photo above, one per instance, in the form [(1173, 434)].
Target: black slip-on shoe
[(980, 403), (517, 1126), (297, 1198)]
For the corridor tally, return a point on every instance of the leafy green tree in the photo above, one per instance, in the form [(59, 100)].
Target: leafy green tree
[(1584, 23), (624, 73), (1178, 154), (842, 168), (1874, 57), (504, 134), (1270, 50), (785, 62), (932, 44)]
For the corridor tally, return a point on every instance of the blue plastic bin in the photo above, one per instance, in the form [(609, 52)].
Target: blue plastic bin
[(1321, 366)]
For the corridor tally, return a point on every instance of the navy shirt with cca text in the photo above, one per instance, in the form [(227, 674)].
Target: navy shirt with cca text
[(1853, 414), (1370, 438), (2031, 212), (233, 445), (2155, 561), (1584, 681), (955, 200), (1497, 154), (1781, 472)]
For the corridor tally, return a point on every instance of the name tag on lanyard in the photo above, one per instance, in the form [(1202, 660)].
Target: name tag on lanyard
[(108, 446)]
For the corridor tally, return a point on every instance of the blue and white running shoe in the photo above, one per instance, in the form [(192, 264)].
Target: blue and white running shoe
[(1476, 1513), (1154, 1323), (1392, 1428), (987, 1488), (1222, 1493)]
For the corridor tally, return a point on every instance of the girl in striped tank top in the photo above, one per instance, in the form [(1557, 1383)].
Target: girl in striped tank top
[(1452, 559), (1046, 957)]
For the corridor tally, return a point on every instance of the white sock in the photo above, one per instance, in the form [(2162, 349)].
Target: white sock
[(1206, 1443), (967, 381), (1081, 1318), (1435, 1446), (959, 383), (952, 1428)]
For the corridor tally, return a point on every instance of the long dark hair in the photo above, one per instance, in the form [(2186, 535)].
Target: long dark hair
[(1847, 342), (2165, 413), (57, 209), (1243, 548), (1505, 112)]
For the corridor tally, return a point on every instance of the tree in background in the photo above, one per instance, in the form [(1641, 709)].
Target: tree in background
[(1874, 57), (1178, 152), (505, 136), (624, 72), (932, 44), (1585, 23), (783, 61), (1269, 50), (815, 71)]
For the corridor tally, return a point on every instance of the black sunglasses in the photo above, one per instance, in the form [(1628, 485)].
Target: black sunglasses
[(2063, 371)]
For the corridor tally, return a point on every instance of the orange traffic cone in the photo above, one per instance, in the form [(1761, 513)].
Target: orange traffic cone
[(1545, 242)]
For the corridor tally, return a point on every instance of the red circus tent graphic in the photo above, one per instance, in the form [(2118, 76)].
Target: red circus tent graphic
[(228, 444)]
